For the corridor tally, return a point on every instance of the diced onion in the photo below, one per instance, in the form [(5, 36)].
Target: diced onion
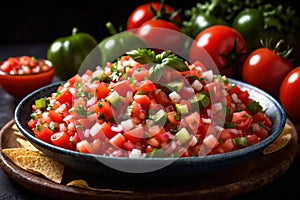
[(96, 128), (127, 124), (174, 96), (217, 107), (197, 85), (208, 75)]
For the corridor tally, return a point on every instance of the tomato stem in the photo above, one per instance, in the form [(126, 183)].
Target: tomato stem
[(281, 48)]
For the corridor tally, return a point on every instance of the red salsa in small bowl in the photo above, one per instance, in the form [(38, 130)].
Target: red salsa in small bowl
[(21, 75)]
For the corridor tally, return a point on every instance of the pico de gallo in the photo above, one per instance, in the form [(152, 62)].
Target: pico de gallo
[(148, 105), (24, 65)]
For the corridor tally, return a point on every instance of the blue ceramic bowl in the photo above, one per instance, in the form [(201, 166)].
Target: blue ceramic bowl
[(152, 168)]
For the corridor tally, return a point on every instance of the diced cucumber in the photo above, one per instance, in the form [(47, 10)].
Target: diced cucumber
[(160, 118), (182, 108), (240, 141), (114, 99), (41, 103), (183, 136), (200, 100), (175, 86)]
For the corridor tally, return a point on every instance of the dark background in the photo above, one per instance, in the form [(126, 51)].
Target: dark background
[(34, 21)]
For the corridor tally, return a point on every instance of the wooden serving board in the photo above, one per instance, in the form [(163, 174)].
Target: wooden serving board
[(239, 180)]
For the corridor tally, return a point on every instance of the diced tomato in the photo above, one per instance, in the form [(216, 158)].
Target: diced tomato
[(8, 65), (173, 117), (153, 142), (200, 64), (84, 122), (225, 135), (193, 122), (210, 141), (146, 86), (262, 134), (32, 123), (143, 100), (72, 80), (242, 95), (65, 97), (122, 87), (135, 134), (227, 146), (262, 117), (102, 90), (84, 147), (140, 73), (104, 110), (61, 139), (161, 98), (135, 109), (118, 140), (252, 139), (163, 137), (106, 129), (128, 146), (242, 120), (43, 133), (55, 116)]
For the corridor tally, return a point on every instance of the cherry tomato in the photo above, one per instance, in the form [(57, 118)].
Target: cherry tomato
[(162, 34), (225, 46), (290, 95), (143, 13), (265, 69)]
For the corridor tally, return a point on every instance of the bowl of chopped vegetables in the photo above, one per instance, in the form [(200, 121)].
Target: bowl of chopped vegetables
[(21, 75), (131, 119)]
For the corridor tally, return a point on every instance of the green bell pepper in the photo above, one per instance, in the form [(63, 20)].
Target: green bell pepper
[(118, 44), (68, 53)]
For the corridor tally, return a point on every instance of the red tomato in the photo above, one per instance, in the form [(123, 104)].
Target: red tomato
[(102, 90), (162, 35), (61, 139), (66, 97), (143, 100), (43, 133), (143, 13), (104, 110), (32, 123), (55, 116), (146, 86), (118, 140), (290, 93), (265, 69), (242, 119), (225, 46)]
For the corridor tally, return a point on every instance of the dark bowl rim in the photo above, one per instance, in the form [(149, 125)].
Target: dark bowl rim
[(207, 158)]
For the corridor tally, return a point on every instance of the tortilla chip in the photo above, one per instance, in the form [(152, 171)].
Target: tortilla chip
[(14, 127), (80, 183), (26, 144), (13, 153), (43, 165), (35, 162), (281, 141)]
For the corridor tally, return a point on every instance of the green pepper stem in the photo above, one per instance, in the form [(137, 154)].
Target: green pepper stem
[(111, 29), (74, 30)]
